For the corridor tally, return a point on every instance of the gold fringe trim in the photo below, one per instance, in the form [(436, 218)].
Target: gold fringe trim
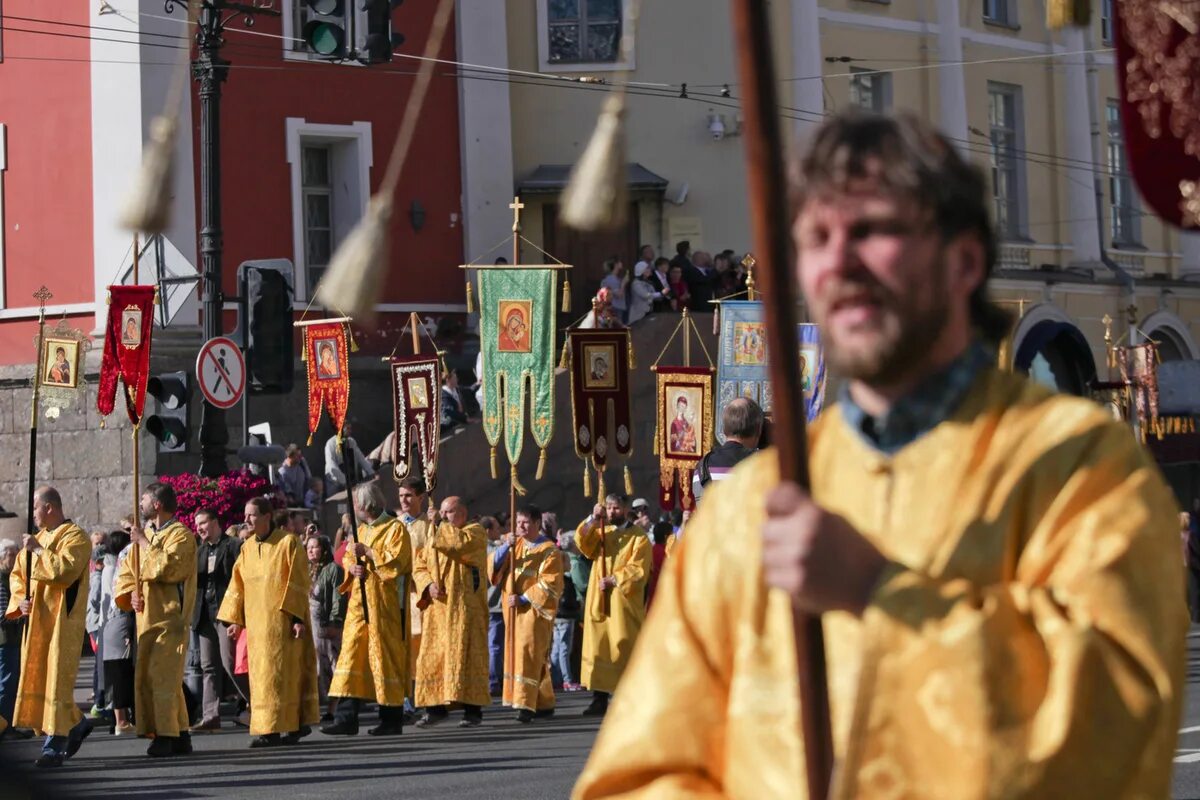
[(304, 347), (495, 474), (350, 336), (601, 489), (566, 301), (541, 469), (470, 298), (628, 482), (632, 356), (564, 362), (516, 484), (587, 480), (716, 320)]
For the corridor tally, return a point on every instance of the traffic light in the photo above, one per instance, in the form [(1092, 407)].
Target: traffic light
[(267, 289), (374, 38), (325, 29), (169, 422)]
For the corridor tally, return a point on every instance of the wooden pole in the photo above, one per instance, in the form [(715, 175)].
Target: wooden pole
[(42, 295), (510, 629), (768, 211), (135, 552), (687, 341), (605, 603), (350, 470), (415, 323)]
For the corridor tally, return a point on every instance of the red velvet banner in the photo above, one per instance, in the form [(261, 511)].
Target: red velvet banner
[(417, 405), (126, 349), (328, 360), (600, 401)]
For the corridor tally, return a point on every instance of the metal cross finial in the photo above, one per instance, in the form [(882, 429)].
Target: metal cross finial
[(516, 205), (42, 295)]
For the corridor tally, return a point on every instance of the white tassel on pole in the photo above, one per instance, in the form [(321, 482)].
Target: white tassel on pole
[(596, 197), (355, 275), (148, 207)]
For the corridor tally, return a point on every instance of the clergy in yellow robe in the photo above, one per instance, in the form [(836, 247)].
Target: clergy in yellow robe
[(412, 495), (268, 596), (450, 576), (164, 602), (621, 558), (373, 664), (530, 604), (52, 569), (1027, 640)]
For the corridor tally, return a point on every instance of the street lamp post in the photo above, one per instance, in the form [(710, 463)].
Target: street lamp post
[(210, 71)]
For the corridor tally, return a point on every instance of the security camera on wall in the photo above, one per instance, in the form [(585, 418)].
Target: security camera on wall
[(716, 127)]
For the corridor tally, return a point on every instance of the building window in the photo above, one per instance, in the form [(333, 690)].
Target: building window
[(1007, 142), (331, 168), (316, 184), (1000, 12), (1125, 217), (1106, 21), (871, 91), (580, 35)]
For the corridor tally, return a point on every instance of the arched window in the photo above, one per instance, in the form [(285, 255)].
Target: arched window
[(1057, 355)]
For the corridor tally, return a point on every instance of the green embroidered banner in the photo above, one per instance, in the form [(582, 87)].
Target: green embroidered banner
[(516, 339)]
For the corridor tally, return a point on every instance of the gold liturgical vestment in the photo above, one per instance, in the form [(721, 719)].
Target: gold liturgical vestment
[(608, 641), (539, 579), (1026, 642), (54, 629), (268, 593), (418, 534), (453, 664), (168, 572), (373, 664)]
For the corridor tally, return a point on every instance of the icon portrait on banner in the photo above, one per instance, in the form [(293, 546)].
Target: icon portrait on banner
[(60, 363), (683, 438), (418, 393), (601, 371), (515, 334), (749, 344), (808, 369), (131, 327), (749, 390), (328, 358)]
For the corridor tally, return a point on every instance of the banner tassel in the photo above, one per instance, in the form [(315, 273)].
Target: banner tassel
[(716, 320), (566, 301), (565, 361), (601, 490), (304, 347), (587, 480), (350, 336), (470, 298), (516, 484), (541, 469), (495, 475), (628, 481), (632, 356), (310, 440)]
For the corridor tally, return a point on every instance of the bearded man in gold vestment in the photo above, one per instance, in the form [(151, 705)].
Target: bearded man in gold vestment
[(268, 597), (49, 587), (996, 566), (163, 601), (450, 575)]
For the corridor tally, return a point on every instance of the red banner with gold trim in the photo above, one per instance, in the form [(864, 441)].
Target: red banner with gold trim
[(327, 356), (685, 430), (126, 349), (601, 410), (417, 406)]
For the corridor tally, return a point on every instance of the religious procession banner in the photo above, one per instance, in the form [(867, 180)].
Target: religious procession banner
[(601, 408), (326, 354), (516, 314), (126, 349), (417, 403), (685, 430), (742, 368), (1139, 371)]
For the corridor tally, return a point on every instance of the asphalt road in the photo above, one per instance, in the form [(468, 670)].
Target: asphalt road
[(501, 758), (1186, 785)]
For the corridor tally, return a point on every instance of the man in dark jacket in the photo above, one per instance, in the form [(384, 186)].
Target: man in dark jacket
[(214, 566), (742, 423)]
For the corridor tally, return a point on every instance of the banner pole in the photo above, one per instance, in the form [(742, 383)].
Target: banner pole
[(42, 295), (416, 335)]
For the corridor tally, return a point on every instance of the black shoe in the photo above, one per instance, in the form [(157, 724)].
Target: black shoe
[(270, 740), (183, 745), (74, 744), (327, 717), (410, 717), (597, 708), (49, 761), (544, 713), (525, 716), (386, 730), (342, 728), (161, 747), (21, 733), (429, 719), (304, 731), (471, 722)]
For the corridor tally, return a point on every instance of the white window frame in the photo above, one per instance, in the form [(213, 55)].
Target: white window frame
[(1117, 164), (881, 89), (1106, 21), (352, 160), (543, 34), (1009, 9), (1018, 229)]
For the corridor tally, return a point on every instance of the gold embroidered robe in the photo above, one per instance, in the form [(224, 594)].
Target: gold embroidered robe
[(168, 573), (453, 663), (54, 629), (608, 640), (1027, 641), (268, 592), (527, 639), (373, 664), (418, 535)]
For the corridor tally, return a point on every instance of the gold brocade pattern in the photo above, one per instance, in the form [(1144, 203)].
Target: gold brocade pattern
[(54, 632), (1027, 641), (608, 641), (373, 664), (539, 577), (168, 571), (452, 666), (418, 535), (1163, 76), (267, 593)]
